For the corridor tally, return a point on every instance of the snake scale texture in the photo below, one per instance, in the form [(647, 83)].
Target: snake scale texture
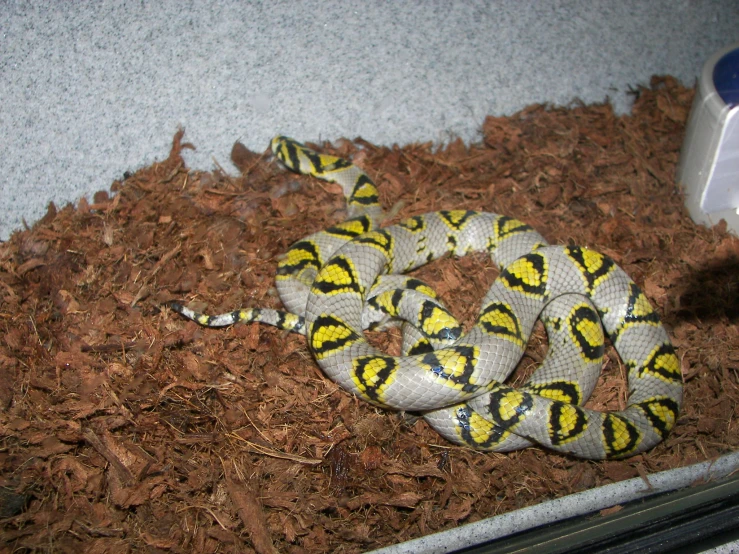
[(339, 282)]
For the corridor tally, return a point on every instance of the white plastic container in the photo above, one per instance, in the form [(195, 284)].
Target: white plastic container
[(709, 161)]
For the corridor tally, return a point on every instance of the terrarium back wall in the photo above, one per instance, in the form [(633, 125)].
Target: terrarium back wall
[(90, 92)]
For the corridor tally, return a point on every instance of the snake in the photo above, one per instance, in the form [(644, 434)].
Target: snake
[(352, 276)]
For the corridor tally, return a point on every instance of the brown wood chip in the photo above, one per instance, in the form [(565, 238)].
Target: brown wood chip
[(123, 425)]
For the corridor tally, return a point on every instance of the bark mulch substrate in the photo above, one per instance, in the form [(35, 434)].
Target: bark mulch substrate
[(127, 428)]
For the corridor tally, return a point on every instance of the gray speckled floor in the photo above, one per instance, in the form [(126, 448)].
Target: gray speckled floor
[(92, 90)]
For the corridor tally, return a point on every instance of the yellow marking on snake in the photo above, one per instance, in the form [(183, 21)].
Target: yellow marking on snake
[(566, 423), (528, 275), (330, 335), (504, 227), (586, 331), (291, 320), (663, 364), (454, 366), (373, 374), (414, 224), (338, 276), (642, 308), (436, 322), (500, 320), (662, 413), (302, 255), (386, 301), (594, 267), (420, 286), (202, 319), (509, 405), (456, 219), (568, 392), (351, 228), (379, 240), (482, 429), (364, 194), (619, 434), (475, 430)]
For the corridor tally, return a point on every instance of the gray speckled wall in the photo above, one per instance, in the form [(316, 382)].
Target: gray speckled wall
[(92, 90)]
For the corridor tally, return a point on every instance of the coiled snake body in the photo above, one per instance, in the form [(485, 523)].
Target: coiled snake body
[(336, 283)]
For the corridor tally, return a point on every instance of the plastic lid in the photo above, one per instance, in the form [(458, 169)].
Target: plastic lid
[(726, 77)]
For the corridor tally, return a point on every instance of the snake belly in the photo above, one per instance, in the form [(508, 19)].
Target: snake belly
[(338, 282)]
